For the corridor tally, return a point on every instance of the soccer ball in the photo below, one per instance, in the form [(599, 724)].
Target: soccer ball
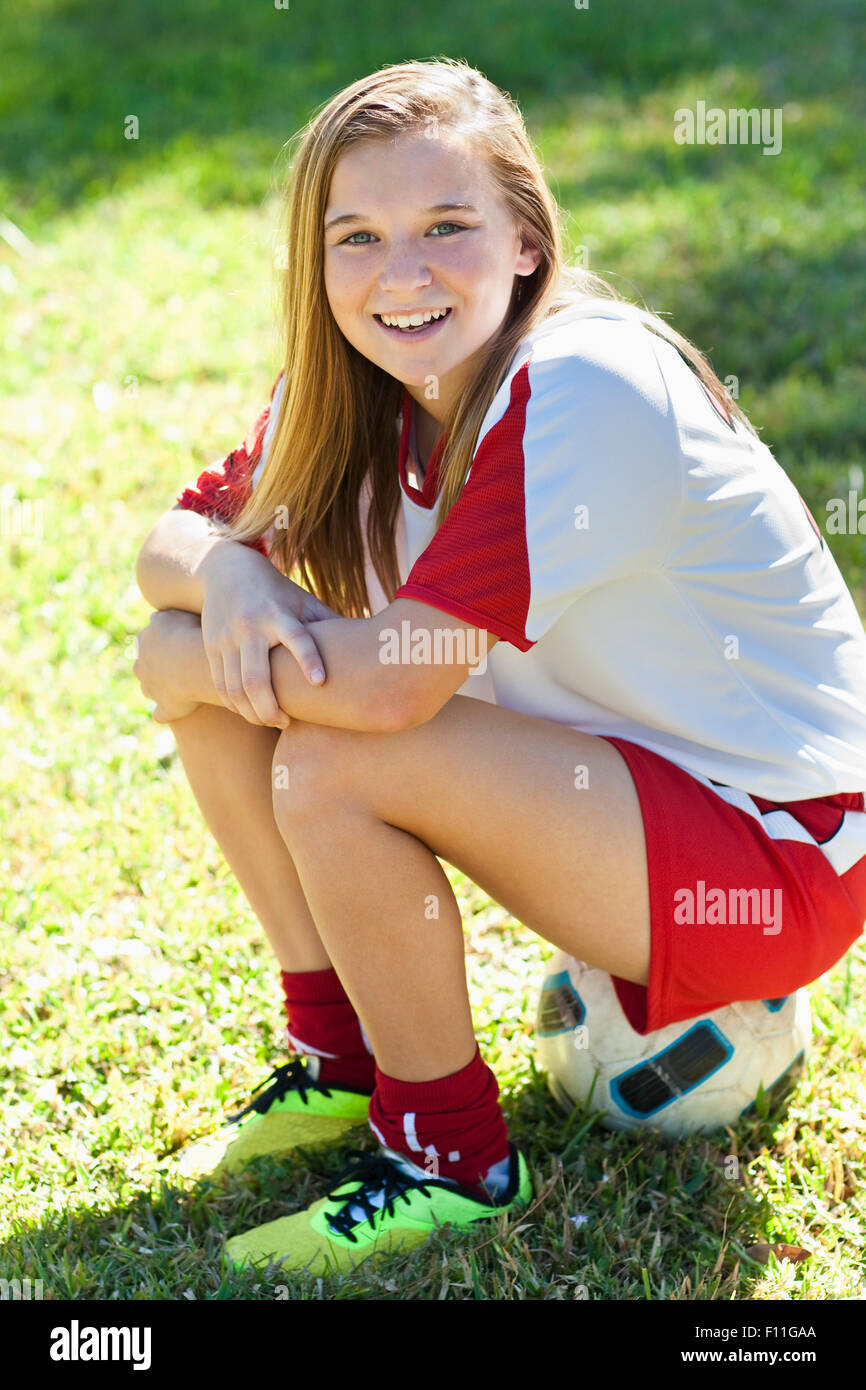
[(693, 1076)]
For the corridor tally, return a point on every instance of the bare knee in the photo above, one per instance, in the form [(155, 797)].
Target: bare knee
[(224, 733), (309, 770)]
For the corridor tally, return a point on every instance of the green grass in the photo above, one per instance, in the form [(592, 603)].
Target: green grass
[(139, 998)]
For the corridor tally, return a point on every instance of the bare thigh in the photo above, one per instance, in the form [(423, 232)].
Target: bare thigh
[(545, 819)]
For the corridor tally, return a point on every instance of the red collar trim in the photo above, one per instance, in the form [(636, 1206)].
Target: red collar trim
[(425, 496)]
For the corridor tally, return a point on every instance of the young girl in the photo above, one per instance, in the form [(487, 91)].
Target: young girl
[(579, 634)]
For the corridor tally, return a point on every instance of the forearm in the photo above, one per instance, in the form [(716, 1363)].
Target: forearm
[(172, 564), (359, 692)]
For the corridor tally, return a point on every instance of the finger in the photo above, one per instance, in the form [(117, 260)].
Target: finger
[(217, 673), (256, 675), (220, 666), (300, 643), (235, 696)]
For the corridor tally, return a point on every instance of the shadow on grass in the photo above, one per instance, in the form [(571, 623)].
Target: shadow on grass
[(590, 1232), (218, 87)]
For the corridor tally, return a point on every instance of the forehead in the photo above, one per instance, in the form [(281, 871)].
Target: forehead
[(411, 167)]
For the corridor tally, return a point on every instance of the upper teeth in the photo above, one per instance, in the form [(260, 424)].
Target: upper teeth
[(411, 320)]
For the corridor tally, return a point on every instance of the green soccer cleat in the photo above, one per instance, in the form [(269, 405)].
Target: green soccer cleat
[(294, 1110), (381, 1204)]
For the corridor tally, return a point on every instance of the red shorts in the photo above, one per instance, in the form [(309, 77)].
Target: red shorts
[(749, 898)]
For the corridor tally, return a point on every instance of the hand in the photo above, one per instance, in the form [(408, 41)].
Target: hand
[(161, 665), (248, 609)]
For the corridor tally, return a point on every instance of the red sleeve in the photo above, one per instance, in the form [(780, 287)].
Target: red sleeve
[(223, 489), (476, 567)]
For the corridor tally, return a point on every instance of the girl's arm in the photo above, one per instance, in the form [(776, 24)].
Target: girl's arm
[(183, 547), (171, 565), (246, 605), (384, 673)]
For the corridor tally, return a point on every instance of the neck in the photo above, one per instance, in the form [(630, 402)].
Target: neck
[(436, 410), (427, 431)]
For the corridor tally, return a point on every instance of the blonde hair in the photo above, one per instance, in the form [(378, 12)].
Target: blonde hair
[(337, 422)]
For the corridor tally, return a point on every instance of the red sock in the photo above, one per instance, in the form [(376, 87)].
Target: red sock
[(323, 1023), (452, 1127)]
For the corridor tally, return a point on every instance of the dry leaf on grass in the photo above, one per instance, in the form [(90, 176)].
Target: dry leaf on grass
[(762, 1253)]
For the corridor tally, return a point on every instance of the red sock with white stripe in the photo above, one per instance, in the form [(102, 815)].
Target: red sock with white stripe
[(322, 1023), (451, 1127)]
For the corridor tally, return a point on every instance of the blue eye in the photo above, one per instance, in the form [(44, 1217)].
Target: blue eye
[(350, 240)]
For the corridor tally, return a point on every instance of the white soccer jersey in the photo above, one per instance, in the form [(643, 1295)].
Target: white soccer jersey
[(650, 569)]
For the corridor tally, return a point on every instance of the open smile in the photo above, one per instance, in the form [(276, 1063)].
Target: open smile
[(420, 324)]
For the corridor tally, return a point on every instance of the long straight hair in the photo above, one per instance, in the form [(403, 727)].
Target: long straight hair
[(337, 424)]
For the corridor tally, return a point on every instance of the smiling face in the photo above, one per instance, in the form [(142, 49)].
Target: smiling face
[(414, 227)]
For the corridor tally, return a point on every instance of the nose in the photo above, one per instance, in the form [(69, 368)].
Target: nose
[(404, 269)]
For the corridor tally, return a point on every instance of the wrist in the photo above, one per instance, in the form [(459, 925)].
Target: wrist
[(195, 673), (182, 657), (226, 558)]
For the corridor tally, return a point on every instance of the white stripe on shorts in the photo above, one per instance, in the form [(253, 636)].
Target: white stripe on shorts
[(843, 850)]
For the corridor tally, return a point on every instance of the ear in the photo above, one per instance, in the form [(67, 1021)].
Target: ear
[(529, 258)]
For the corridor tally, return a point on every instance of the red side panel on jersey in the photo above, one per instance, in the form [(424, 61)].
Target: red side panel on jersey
[(476, 567)]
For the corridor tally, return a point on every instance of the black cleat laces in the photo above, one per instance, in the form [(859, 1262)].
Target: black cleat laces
[(375, 1173), (292, 1076)]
